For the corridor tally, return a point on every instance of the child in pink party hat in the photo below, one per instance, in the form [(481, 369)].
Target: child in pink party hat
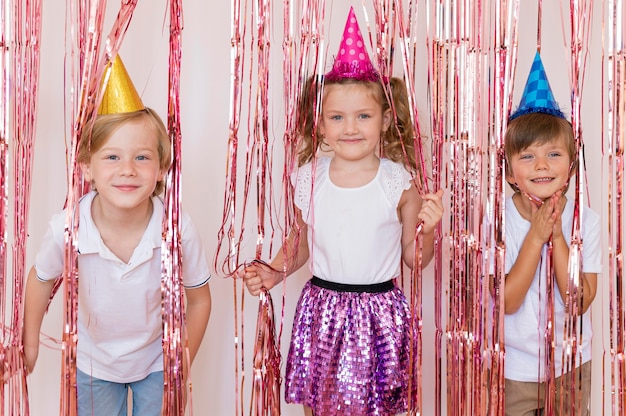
[(350, 344)]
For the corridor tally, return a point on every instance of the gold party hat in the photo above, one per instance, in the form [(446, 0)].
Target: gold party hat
[(120, 95)]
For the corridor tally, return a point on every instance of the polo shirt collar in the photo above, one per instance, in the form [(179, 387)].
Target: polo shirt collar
[(90, 241)]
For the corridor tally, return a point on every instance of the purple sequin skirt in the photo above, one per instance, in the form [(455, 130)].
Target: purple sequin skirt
[(349, 352)]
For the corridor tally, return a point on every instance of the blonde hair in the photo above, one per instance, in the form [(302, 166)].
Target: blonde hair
[(96, 134), (397, 142), (537, 128)]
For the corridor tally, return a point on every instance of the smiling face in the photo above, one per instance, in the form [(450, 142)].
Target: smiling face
[(126, 168), (540, 154), (541, 169), (352, 121)]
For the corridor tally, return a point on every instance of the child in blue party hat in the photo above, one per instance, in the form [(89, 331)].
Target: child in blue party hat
[(350, 346), (541, 155)]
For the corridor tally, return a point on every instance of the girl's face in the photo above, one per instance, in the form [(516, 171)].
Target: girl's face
[(126, 168), (541, 169), (352, 121)]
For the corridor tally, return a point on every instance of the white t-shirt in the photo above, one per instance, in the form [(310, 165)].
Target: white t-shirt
[(354, 234), (119, 317), (524, 330)]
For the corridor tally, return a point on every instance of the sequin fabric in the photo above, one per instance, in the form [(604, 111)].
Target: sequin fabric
[(349, 352)]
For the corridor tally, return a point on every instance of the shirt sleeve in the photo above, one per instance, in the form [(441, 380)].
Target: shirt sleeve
[(591, 244), (196, 270), (49, 258)]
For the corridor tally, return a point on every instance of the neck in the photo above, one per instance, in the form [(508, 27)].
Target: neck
[(112, 217), (367, 163)]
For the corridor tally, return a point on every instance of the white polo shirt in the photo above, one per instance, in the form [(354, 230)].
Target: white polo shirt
[(119, 317)]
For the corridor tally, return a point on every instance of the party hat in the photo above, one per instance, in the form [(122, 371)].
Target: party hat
[(352, 60), (537, 96), (120, 95)]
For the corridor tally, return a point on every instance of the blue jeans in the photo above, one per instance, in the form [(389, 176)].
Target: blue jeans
[(105, 398)]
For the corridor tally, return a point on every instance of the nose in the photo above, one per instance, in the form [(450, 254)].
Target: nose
[(541, 163), (127, 168), (350, 126)]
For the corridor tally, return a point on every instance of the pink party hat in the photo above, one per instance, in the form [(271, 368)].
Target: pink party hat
[(352, 60)]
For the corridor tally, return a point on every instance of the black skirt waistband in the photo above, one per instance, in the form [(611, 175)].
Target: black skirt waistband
[(342, 287)]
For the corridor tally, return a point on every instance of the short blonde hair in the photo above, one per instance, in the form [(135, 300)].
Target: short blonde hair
[(96, 134)]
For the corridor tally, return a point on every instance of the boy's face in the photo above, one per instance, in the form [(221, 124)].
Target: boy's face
[(541, 169), (126, 168)]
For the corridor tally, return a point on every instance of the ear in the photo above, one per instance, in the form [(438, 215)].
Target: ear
[(85, 168), (320, 128), (387, 119), (162, 174), (573, 168)]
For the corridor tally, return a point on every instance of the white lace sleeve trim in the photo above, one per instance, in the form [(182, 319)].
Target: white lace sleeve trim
[(303, 181), (395, 180)]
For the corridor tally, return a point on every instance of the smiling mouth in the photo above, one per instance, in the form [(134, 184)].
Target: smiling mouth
[(127, 187), (542, 180)]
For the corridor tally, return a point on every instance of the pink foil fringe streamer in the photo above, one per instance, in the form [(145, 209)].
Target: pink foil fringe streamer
[(614, 73), (19, 67), (175, 353)]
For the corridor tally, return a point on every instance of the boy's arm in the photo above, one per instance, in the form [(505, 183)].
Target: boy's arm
[(518, 280), (544, 220), (588, 281), (198, 312), (37, 297)]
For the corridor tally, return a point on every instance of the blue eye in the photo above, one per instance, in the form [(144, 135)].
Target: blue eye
[(335, 117), (112, 157), (142, 157), (554, 154), (364, 116)]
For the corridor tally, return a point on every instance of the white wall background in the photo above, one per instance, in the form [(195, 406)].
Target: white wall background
[(205, 117)]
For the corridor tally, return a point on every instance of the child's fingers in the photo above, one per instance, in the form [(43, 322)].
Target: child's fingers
[(254, 284), (432, 209)]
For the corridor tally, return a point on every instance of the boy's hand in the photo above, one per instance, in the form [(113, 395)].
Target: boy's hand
[(432, 210), (559, 203), (258, 274), (545, 221)]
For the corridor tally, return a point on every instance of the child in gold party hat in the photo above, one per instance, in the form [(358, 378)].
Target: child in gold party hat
[(124, 153)]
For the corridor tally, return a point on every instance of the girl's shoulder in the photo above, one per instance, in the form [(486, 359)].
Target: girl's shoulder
[(395, 179), (305, 174), (304, 177)]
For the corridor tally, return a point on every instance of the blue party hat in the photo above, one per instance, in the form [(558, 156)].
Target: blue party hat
[(537, 96)]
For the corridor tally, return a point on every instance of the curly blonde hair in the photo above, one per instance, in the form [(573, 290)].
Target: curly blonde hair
[(397, 142), (96, 134)]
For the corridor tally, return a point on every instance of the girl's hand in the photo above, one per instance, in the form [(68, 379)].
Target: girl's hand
[(432, 210), (258, 274)]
